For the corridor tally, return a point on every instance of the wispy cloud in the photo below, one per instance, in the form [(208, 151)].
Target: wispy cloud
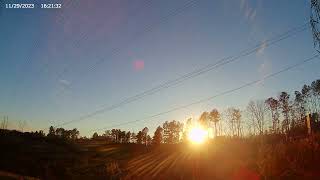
[(242, 3), (265, 67), (262, 48), (64, 85), (252, 15), (249, 11), (64, 82)]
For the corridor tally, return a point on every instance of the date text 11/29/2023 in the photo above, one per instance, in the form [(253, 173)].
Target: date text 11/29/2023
[(32, 6)]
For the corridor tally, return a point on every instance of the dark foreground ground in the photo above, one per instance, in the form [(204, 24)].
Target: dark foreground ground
[(46, 158)]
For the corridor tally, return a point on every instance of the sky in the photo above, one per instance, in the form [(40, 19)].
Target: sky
[(57, 65)]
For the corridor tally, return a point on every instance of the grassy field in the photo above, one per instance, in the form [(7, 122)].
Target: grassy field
[(223, 159)]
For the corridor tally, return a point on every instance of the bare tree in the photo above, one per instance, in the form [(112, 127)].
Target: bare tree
[(22, 124), (234, 117), (4, 123), (237, 119), (220, 126), (204, 119), (252, 124), (229, 124), (187, 128), (214, 116), (256, 110)]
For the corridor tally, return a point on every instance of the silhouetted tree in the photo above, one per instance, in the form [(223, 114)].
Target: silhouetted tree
[(306, 94), (315, 87), (4, 123), (273, 106), (22, 124), (63, 133), (214, 116), (108, 136), (133, 137), (187, 129), (299, 105), (284, 105), (60, 132), (158, 136), (128, 137), (41, 133), (256, 110), (140, 137), (145, 131), (95, 135), (74, 133), (204, 119), (234, 116), (171, 131), (148, 140), (52, 132), (122, 136), (116, 135)]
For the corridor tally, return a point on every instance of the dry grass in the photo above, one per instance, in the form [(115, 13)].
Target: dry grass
[(251, 158)]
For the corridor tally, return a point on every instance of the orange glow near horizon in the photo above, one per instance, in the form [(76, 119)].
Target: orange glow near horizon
[(197, 135)]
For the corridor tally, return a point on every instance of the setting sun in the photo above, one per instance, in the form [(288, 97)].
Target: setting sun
[(197, 135), (167, 89)]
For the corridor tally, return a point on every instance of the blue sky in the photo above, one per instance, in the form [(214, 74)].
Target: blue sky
[(49, 74)]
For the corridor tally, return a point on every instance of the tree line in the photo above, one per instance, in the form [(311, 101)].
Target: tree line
[(285, 114), (72, 134), (169, 132)]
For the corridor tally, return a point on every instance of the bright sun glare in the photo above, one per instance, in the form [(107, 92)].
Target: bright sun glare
[(197, 135)]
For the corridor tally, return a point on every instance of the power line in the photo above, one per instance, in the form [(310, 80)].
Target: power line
[(60, 18), (147, 28), (215, 96), (147, 3), (194, 73)]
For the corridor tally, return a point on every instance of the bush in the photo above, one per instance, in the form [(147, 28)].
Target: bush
[(298, 158)]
